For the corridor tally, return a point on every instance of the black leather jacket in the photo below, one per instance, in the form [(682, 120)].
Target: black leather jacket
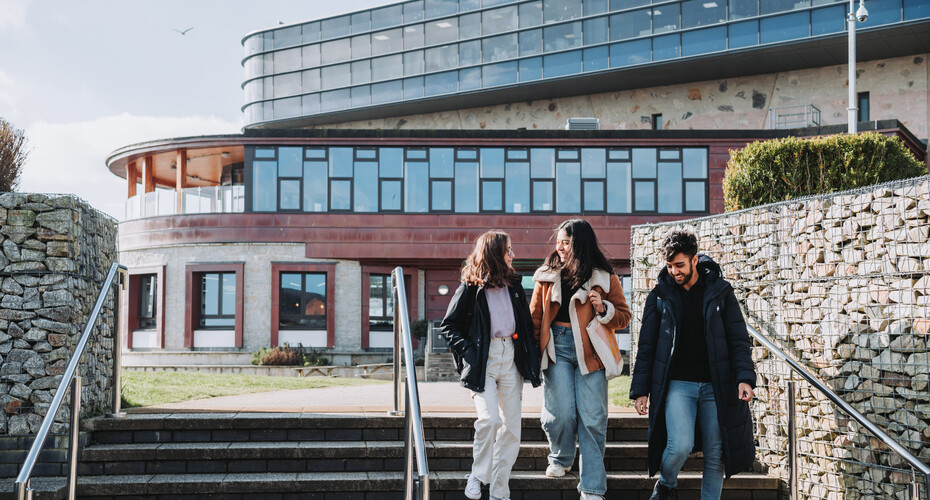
[(467, 328)]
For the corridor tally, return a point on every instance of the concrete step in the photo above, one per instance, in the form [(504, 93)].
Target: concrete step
[(258, 427), (317, 456), (389, 485)]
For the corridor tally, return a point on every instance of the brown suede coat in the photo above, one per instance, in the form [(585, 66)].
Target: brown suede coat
[(547, 300)]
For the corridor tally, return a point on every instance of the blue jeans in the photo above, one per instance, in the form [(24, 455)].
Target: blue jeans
[(685, 402), (575, 407)]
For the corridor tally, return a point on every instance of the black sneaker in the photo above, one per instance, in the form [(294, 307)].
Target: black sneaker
[(661, 492)]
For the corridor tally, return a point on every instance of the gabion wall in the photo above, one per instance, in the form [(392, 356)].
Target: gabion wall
[(55, 252), (841, 282)]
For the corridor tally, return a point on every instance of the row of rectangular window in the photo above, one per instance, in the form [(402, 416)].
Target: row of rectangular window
[(485, 180), (628, 25), (532, 13), (618, 55), (301, 301)]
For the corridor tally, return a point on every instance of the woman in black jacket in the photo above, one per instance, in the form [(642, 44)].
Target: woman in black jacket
[(490, 332)]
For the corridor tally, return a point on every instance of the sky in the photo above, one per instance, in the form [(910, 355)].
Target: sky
[(83, 79)]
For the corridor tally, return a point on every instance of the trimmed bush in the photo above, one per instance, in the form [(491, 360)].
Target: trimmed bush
[(288, 356), (782, 169)]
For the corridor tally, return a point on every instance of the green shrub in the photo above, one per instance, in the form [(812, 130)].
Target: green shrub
[(419, 329), (288, 356), (782, 169)]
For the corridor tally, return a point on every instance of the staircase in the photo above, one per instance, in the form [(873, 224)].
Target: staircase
[(440, 368), (340, 456)]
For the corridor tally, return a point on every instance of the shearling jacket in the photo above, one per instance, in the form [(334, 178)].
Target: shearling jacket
[(547, 299)]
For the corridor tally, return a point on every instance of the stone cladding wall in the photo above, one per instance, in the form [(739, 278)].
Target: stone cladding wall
[(55, 252), (897, 87), (842, 283)]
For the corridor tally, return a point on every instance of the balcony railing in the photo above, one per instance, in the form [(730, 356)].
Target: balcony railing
[(805, 115), (199, 200)]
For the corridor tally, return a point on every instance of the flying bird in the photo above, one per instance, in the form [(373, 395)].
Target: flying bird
[(184, 32)]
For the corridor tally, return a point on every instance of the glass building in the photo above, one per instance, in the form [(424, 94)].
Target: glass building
[(424, 55)]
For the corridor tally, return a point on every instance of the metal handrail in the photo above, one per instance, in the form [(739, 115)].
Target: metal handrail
[(414, 442), (915, 462), (23, 492)]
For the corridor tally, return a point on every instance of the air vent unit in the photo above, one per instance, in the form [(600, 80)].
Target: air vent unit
[(583, 124)]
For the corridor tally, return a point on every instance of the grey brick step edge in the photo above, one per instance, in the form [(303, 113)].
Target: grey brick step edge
[(193, 484), (311, 450), (220, 421), (44, 488)]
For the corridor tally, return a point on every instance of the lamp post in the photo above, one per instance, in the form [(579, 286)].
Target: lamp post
[(861, 14)]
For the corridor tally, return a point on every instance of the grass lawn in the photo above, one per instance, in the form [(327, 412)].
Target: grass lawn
[(618, 391), (154, 388)]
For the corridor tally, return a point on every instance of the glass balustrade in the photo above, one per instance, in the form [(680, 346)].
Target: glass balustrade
[(197, 200)]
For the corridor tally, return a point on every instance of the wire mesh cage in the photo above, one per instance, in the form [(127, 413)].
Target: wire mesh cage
[(841, 282)]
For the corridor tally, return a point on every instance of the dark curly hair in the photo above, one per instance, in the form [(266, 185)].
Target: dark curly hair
[(677, 242)]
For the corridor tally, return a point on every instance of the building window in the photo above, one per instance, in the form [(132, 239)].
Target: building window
[(657, 121), (217, 301), (303, 304), (302, 301), (380, 303), (862, 102), (148, 303), (145, 299)]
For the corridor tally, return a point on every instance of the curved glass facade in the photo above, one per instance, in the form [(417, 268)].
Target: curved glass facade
[(430, 48), (468, 180)]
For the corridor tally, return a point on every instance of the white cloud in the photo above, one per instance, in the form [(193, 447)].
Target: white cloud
[(70, 157), (13, 16), (7, 103)]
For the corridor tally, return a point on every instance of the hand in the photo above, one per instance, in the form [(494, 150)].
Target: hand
[(745, 392), (641, 405), (596, 301)]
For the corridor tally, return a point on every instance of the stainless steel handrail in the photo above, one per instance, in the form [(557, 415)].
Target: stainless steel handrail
[(23, 492), (915, 462), (414, 442)]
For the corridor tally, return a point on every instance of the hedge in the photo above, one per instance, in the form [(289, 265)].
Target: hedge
[(782, 169)]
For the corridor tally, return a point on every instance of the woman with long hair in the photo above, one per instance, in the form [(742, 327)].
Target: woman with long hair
[(576, 288), (490, 333)]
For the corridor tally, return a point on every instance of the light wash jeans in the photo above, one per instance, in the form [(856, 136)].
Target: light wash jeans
[(497, 429), (685, 402), (575, 407)]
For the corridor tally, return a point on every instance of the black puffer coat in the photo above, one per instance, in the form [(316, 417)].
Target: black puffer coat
[(467, 328), (728, 350)]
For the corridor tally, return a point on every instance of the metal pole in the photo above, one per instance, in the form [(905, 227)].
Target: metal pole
[(408, 452), (851, 110), (792, 444), (118, 349), (75, 431), (23, 491), (397, 353)]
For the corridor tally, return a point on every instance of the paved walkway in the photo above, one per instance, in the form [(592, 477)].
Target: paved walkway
[(435, 397)]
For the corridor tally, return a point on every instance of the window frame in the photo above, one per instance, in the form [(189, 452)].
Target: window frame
[(129, 317), (303, 267), (411, 275), (192, 295)]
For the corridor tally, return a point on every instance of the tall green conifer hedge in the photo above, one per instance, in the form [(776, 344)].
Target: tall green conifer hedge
[(782, 169)]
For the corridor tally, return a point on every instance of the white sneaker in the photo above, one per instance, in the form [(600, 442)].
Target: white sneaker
[(555, 470), (591, 496), (473, 487), (504, 498)]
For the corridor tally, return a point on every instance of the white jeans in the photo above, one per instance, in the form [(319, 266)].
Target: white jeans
[(497, 433)]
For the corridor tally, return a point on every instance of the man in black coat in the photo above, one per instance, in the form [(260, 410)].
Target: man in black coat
[(694, 368)]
